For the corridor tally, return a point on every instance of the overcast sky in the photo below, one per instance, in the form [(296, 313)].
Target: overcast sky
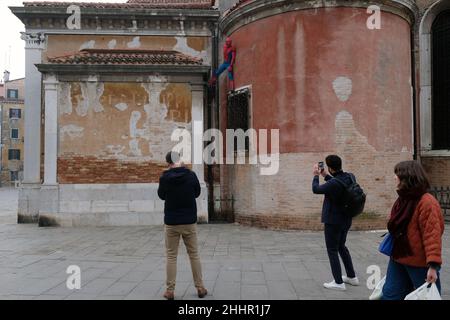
[(12, 52)]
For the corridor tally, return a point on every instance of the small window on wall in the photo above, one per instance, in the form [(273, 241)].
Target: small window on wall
[(13, 154), (238, 114), (441, 82), (15, 113), (13, 94), (14, 133)]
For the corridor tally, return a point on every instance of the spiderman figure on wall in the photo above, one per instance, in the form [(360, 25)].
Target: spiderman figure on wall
[(229, 57)]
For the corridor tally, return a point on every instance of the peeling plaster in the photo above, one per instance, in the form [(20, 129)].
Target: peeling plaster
[(121, 106), (64, 98), (134, 148), (182, 46), (72, 131), (135, 116), (91, 93), (347, 134), (88, 45), (112, 44), (136, 121), (343, 87), (136, 43), (115, 149)]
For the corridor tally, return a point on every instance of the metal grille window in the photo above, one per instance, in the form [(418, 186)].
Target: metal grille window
[(14, 133), (13, 154), (238, 113), (15, 113), (441, 82)]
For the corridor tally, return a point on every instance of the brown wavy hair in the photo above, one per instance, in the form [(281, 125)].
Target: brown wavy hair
[(412, 176)]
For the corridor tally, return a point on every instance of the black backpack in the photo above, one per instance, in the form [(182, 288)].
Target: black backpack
[(353, 199)]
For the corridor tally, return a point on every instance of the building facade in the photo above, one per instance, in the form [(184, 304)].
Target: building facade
[(431, 45), (114, 90), (309, 55), (12, 131)]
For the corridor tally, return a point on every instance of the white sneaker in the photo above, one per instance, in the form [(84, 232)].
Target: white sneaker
[(334, 286), (352, 281)]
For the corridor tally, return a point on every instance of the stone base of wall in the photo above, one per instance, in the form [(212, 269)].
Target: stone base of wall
[(29, 203), (73, 205), (312, 223)]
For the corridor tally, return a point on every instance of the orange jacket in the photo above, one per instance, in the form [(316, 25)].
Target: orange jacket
[(425, 233)]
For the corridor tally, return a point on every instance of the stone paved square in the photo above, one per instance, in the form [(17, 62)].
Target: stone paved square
[(129, 263)]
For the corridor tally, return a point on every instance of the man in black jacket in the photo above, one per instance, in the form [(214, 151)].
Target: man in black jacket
[(336, 222), (179, 187)]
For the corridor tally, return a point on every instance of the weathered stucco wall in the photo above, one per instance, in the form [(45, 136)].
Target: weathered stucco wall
[(305, 67), (330, 85), (111, 132), (60, 45)]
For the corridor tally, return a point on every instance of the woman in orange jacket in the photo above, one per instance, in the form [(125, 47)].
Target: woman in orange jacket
[(416, 225)]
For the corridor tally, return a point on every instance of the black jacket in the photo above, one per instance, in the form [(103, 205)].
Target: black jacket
[(332, 212), (179, 187)]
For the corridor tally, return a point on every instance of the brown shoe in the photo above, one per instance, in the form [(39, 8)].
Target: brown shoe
[(202, 292), (169, 295)]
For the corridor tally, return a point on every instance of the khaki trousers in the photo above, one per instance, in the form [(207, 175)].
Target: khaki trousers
[(189, 234)]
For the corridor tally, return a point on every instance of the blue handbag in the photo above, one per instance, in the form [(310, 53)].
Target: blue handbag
[(386, 245)]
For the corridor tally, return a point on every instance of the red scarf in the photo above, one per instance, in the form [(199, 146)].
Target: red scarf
[(401, 214)]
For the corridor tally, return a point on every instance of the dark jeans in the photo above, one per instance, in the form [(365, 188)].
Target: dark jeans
[(402, 280), (335, 237)]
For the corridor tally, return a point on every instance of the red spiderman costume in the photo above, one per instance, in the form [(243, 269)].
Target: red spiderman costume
[(229, 57)]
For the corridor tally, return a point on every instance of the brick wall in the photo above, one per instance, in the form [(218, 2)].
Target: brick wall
[(438, 169), (286, 201), (85, 169)]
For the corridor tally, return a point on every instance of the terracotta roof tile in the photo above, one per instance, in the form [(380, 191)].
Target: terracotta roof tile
[(131, 4), (126, 57)]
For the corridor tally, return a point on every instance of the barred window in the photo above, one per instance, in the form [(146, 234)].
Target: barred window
[(238, 113), (441, 82)]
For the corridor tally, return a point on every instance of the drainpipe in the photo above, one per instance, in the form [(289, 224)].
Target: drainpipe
[(414, 92), (213, 114)]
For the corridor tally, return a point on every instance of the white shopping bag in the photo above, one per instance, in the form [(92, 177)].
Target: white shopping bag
[(378, 291), (425, 293)]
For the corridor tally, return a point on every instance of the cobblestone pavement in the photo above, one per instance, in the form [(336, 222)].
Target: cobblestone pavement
[(128, 263)]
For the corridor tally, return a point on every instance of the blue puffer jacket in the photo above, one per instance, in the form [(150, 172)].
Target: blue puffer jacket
[(332, 212)]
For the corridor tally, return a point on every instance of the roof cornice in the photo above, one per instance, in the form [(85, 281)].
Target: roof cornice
[(251, 10), (48, 18), (122, 69)]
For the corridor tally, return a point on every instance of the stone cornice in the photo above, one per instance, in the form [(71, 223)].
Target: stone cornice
[(126, 69), (113, 19), (259, 9)]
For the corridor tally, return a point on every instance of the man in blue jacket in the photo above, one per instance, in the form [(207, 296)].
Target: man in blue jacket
[(179, 187), (336, 222)]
